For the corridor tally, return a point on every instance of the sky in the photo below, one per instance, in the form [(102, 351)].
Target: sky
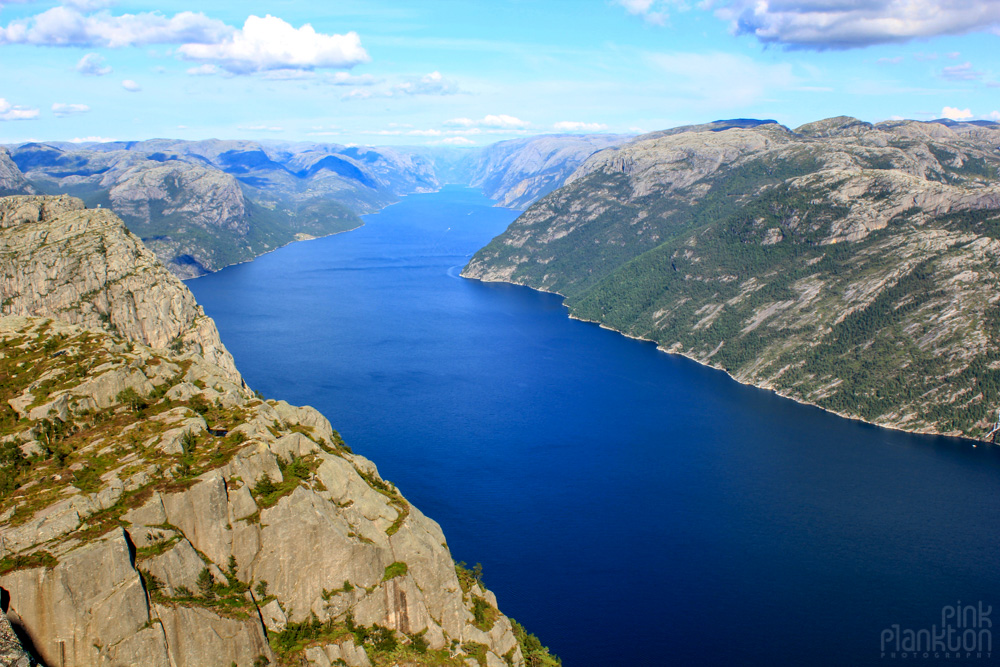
[(464, 72)]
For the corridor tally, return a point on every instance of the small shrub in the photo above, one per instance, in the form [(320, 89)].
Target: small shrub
[(206, 585), (397, 569), (264, 486)]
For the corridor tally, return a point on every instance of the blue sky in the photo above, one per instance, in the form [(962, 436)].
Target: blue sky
[(456, 72)]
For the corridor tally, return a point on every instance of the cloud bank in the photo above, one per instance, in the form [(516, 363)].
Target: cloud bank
[(269, 43), (262, 44), (846, 24), (10, 111)]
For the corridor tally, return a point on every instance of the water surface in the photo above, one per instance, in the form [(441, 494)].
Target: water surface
[(629, 507)]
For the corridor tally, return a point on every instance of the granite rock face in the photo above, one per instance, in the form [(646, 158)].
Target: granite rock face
[(12, 653), (166, 516), (849, 265), (83, 266)]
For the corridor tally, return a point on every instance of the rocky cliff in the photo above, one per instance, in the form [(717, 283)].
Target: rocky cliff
[(154, 511), (849, 265), (83, 266)]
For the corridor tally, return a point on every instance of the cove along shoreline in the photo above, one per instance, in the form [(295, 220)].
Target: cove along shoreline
[(958, 439)]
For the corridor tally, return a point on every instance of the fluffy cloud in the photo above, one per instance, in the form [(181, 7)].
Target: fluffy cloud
[(64, 26), (131, 86), (92, 64), (458, 141), (845, 24), (10, 111), (62, 110), (499, 121), (952, 113), (262, 44), (650, 10), (269, 43), (576, 126), (994, 115), (963, 72), (429, 84)]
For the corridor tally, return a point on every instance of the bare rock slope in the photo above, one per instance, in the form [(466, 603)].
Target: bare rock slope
[(154, 511), (849, 265)]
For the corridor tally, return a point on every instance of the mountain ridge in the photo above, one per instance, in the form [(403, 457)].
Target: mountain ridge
[(820, 262)]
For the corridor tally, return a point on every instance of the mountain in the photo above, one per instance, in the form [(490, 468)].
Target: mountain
[(516, 173), (848, 265), (12, 181), (203, 205), (155, 511)]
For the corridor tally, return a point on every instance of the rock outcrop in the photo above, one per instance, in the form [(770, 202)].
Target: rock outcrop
[(850, 265), (83, 266), (154, 511), (12, 653)]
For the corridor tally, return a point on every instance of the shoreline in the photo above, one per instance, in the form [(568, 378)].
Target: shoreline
[(776, 392)]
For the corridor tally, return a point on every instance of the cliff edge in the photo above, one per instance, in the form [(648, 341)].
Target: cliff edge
[(154, 511)]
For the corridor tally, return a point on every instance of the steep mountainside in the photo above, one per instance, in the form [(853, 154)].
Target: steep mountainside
[(516, 173), (154, 511), (202, 205), (12, 181), (850, 265)]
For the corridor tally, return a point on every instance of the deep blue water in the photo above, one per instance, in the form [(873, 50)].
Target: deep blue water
[(629, 507)]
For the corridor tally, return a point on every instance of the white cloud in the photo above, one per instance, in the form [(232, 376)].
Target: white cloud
[(64, 26), (92, 64), (204, 70), (956, 114), (576, 126), (845, 24), (63, 110), (722, 80), (498, 121), (890, 61), (651, 11), (270, 43), (10, 111), (88, 5), (963, 72), (429, 84), (994, 115), (458, 141), (131, 86)]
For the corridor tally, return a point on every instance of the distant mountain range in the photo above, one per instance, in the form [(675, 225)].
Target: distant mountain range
[(203, 205), (849, 265)]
